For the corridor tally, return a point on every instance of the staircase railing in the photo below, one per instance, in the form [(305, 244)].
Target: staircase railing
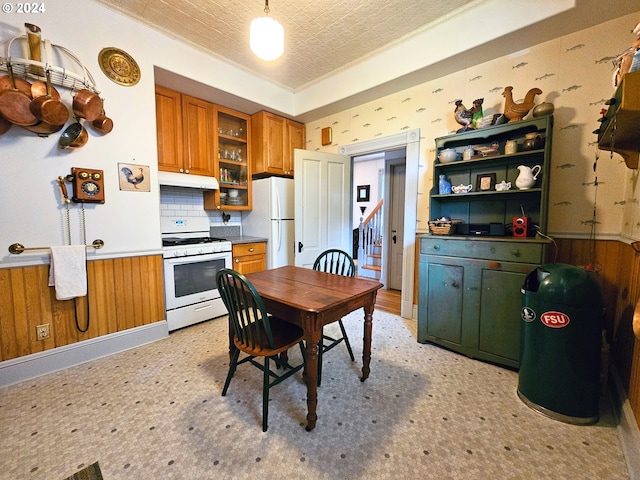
[(370, 236)]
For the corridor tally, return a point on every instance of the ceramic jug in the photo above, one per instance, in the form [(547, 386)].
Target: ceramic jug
[(444, 186), (527, 176)]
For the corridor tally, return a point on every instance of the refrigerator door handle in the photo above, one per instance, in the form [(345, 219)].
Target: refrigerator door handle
[(279, 240), (277, 202)]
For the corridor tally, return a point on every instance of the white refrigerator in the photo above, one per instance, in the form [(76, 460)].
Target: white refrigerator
[(272, 218)]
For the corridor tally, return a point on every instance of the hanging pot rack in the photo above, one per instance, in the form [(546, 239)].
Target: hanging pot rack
[(35, 70)]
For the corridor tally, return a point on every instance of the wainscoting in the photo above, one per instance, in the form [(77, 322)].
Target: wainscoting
[(123, 293)]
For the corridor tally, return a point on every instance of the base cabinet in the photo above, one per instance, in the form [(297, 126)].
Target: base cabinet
[(250, 257), (469, 297)]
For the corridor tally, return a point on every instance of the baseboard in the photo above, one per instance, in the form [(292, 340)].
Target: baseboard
[(627, 425), (42, 363)]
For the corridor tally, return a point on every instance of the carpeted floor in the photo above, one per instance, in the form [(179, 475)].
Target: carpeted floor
[(155, 412)]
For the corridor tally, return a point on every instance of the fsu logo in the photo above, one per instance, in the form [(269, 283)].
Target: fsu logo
[(554, 319)]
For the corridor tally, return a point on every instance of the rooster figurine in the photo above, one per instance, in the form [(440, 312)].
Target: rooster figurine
[(467, 116), (131, 178), (517, 111)]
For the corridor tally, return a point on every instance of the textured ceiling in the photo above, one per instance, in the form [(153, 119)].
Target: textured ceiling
[(321, 36)]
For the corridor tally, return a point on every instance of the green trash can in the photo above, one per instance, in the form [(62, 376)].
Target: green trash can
[(562, 313)]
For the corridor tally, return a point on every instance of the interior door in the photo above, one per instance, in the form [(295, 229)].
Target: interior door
[(322, 186), (396, 227)]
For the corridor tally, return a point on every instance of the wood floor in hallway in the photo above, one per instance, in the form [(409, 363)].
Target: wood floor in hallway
[(389, 301)]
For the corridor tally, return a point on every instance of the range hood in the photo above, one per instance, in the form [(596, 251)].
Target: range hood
[(187, 180)]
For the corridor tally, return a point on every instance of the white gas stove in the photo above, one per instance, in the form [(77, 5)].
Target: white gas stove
[(191, 260)]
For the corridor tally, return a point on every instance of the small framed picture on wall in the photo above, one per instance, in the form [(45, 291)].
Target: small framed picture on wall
[(363, 193)]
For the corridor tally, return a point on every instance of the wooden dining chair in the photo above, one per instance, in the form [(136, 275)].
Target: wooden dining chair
[(338, 262), (257, 334)]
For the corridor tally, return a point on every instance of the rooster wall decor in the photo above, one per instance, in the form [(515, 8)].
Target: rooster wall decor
[(134, 177), (517, 111), (468, 117)]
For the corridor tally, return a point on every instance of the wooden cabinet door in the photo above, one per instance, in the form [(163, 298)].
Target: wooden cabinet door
[(444, 295), (197, 122), (267, 143), (273, 141), (250, 264), (501, 300), (169, 129), (296, 138)]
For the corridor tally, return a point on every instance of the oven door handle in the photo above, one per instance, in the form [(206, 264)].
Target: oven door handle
[(199, 309)]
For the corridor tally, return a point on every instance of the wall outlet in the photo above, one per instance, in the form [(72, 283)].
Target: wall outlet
[(43, 332)]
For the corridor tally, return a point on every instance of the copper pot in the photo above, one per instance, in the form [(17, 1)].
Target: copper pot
[(20, 84), (47, 109), (14, 103), (5, 125), (102, 124), (87, 105), (74, 136), (44, 129)]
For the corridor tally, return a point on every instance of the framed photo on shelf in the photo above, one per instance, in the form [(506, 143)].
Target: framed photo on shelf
[(363, 193), (485, 182)]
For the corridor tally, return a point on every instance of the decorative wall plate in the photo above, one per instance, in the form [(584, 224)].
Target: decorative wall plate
[(119, 66)]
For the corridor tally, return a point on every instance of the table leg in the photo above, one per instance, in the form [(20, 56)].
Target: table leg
[(310, 375), (366, 348)]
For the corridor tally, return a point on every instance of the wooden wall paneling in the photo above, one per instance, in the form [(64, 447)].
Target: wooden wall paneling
[(21, 296), (101, 298), (144, 291), (8, 341), (62, 321), (39, 308), (119, 286), (157, 277), (138, 292), (124, 293)]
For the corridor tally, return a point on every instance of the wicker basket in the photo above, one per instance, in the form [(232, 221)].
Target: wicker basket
[(443, 227)]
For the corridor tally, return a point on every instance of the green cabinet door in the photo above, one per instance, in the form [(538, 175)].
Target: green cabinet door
[(500, 323)]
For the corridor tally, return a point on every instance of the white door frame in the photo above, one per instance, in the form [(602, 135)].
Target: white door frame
[(411, 140)]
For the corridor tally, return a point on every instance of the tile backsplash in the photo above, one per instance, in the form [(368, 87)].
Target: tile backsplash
[(180, 201)]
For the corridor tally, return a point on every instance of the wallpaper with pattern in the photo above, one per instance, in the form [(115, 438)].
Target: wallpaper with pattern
[(591, 191)]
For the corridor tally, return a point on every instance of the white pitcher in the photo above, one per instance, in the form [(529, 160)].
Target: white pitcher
[(527, 176)]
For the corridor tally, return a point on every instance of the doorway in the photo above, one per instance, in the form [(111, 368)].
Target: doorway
[(409, 139)]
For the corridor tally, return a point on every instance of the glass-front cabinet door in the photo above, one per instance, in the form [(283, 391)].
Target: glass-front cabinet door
[(233, 153)]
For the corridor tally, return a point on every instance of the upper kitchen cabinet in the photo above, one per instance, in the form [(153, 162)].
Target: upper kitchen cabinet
[(185, 129), (231, 136), (274, 138)]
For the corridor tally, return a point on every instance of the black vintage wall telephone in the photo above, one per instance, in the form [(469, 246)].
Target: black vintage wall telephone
[(88, 185)]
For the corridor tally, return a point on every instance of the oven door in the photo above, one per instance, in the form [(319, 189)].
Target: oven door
[(191, 280)]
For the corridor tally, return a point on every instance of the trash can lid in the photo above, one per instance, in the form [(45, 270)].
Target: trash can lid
[(568, 284)]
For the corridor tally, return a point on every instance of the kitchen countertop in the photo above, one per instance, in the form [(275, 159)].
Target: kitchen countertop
[(244, 239)]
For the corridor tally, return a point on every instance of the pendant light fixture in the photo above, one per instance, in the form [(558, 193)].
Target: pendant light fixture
[(266, 36)]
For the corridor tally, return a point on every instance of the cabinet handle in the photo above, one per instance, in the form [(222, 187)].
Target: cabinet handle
[(251, 249), (186, 170), (515, 252), (436, 247), (182, 170), (455, 285), (237, 260)]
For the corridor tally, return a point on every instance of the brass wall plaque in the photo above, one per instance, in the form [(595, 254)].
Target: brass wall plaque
[(119, 66)]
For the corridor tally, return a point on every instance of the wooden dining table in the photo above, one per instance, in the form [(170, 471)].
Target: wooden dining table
[(311, 300)]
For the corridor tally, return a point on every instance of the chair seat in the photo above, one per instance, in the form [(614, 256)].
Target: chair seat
[(285, 336)]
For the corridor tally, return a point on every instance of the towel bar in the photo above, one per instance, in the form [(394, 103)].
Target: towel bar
[(18, 248)]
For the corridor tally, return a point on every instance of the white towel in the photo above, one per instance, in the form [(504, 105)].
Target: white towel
[(68, 271)]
